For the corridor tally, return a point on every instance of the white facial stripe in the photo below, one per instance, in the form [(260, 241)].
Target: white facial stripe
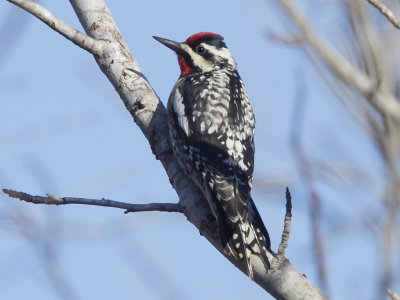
[(220, 52), (198, 60)]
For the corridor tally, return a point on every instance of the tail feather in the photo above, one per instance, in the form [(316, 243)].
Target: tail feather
[(246, 240), (242, 232), (256, 244)]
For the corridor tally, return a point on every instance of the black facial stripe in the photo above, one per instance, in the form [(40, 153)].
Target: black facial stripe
[(207, 55), (189, 61)]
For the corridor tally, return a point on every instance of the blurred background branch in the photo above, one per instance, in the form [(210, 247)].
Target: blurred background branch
[(365, 78), (393, 295), (386, 12)]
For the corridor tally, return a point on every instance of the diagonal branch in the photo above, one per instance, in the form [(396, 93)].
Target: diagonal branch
[(380, 97), (392, 294), (53, 200), (386, 12), (283, 281), (78, 38)]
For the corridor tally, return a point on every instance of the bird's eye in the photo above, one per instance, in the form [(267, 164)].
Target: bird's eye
[(200, 49)]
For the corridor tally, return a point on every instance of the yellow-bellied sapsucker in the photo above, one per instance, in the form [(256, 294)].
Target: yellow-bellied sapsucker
[(211, 124)]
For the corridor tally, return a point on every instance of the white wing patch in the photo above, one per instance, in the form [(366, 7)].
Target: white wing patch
[(179, 109)]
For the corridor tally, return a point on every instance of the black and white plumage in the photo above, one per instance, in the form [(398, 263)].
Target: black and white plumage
[(211, 125)]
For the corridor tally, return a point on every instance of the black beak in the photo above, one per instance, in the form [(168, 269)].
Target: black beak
[(170, 44)]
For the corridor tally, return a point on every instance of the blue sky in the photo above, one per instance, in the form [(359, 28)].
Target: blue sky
[(65, 131)]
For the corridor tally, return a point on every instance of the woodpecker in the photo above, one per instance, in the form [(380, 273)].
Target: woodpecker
[(211, 126)]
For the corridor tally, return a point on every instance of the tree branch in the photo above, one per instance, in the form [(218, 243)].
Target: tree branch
[(386, 12), (378, 95), (78, 38), (286, 228), (393, 295), (53, 200), (282, 281)]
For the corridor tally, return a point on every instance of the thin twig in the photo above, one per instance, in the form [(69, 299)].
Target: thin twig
[(386, 12), (53, 200), (286, 228), (383, 100), (393, 295), (78, 38)]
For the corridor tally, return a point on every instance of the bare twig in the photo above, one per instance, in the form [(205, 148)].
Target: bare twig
[(78, 38), (383, 100), (386, 12), (286, 228), (53, 200), (393, 295)]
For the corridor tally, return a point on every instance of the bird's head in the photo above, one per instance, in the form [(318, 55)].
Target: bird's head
[(201, 52)]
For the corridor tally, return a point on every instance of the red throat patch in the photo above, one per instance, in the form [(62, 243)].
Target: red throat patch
[(198, 36), (185, 69)]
